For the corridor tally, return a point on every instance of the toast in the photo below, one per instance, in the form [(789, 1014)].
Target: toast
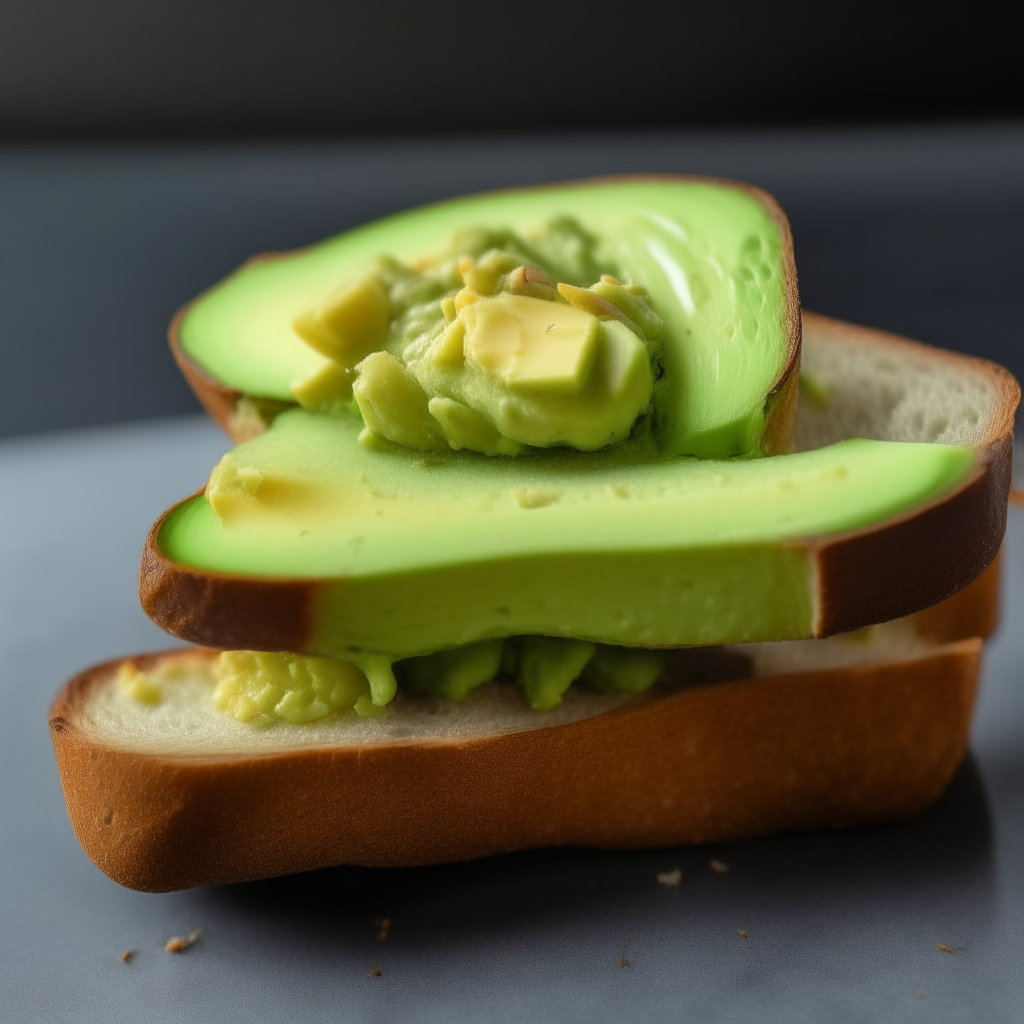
[(866, 725), (733, 743)]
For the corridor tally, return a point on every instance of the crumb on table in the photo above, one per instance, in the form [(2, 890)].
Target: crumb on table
[(742, 934), (383, 926), (718, 866), (127, 955), (376, 972), (181, 942), (670, 879), (945, 949)]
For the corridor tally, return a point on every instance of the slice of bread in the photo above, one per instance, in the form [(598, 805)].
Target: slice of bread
[(735, 742), (863, 382), (878, 385)]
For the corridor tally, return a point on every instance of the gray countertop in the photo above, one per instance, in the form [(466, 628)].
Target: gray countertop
[(840, 926)]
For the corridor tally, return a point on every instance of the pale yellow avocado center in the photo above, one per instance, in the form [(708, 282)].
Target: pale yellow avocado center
[(531, 343)]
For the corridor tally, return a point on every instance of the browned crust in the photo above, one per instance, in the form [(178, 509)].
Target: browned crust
[(780, 408), (780, 414), (917, 559), (224, 610), (929, 553), (823, 749), (973, 611), (220, 400)]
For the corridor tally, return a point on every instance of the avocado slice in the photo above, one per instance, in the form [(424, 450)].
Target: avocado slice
[(409, 553), (715, 258)]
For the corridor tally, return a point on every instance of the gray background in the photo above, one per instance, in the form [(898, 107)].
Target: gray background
[(842, 927)]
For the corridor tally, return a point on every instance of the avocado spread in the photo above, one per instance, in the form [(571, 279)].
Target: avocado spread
[(691, 275), (262, 688), (494, 346)]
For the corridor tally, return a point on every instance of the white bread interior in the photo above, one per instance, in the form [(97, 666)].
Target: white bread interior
[(187, 722), (890, 389)]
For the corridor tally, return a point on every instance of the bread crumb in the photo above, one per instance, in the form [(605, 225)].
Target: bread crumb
[(375, 973), (181, 942), (945, 949), (742, 934), (718, 866), (127, 955), (383, 926), (622, 960), (670, 879), (920, 995)]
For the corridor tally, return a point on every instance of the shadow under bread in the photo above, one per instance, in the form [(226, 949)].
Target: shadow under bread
[(907, 871)]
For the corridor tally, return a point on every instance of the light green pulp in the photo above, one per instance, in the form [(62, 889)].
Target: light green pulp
[(710, 256), (416, 553)]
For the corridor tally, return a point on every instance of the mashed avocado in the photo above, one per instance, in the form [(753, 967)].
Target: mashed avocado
[(499, 345), (261, 688)]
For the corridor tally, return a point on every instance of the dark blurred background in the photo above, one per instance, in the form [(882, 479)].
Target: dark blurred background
[(147, 148)]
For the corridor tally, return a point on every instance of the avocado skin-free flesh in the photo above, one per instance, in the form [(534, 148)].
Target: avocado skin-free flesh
[(414, 553), (714, 258)]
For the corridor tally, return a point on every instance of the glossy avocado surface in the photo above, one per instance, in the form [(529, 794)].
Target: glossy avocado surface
[(715, 259)]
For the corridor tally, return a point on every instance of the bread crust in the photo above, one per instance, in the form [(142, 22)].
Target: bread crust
[(806, 750), (973, 611), (221, 400), (883, 572)]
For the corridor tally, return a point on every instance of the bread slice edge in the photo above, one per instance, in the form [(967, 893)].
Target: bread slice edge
[(827, 748)]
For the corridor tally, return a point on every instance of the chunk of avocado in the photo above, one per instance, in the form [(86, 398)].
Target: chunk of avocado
[(350, 324), (549, 666), (533, 344), (715, 260), (455, 673), (407, 553)]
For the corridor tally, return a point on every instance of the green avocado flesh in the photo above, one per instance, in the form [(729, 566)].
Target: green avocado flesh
[(709, 256), (419, 552)]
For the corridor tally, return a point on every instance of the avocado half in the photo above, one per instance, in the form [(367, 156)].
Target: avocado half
[(350, 550), (715, 257)]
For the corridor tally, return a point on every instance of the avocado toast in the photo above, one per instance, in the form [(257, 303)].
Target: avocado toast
[(444, 572)]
